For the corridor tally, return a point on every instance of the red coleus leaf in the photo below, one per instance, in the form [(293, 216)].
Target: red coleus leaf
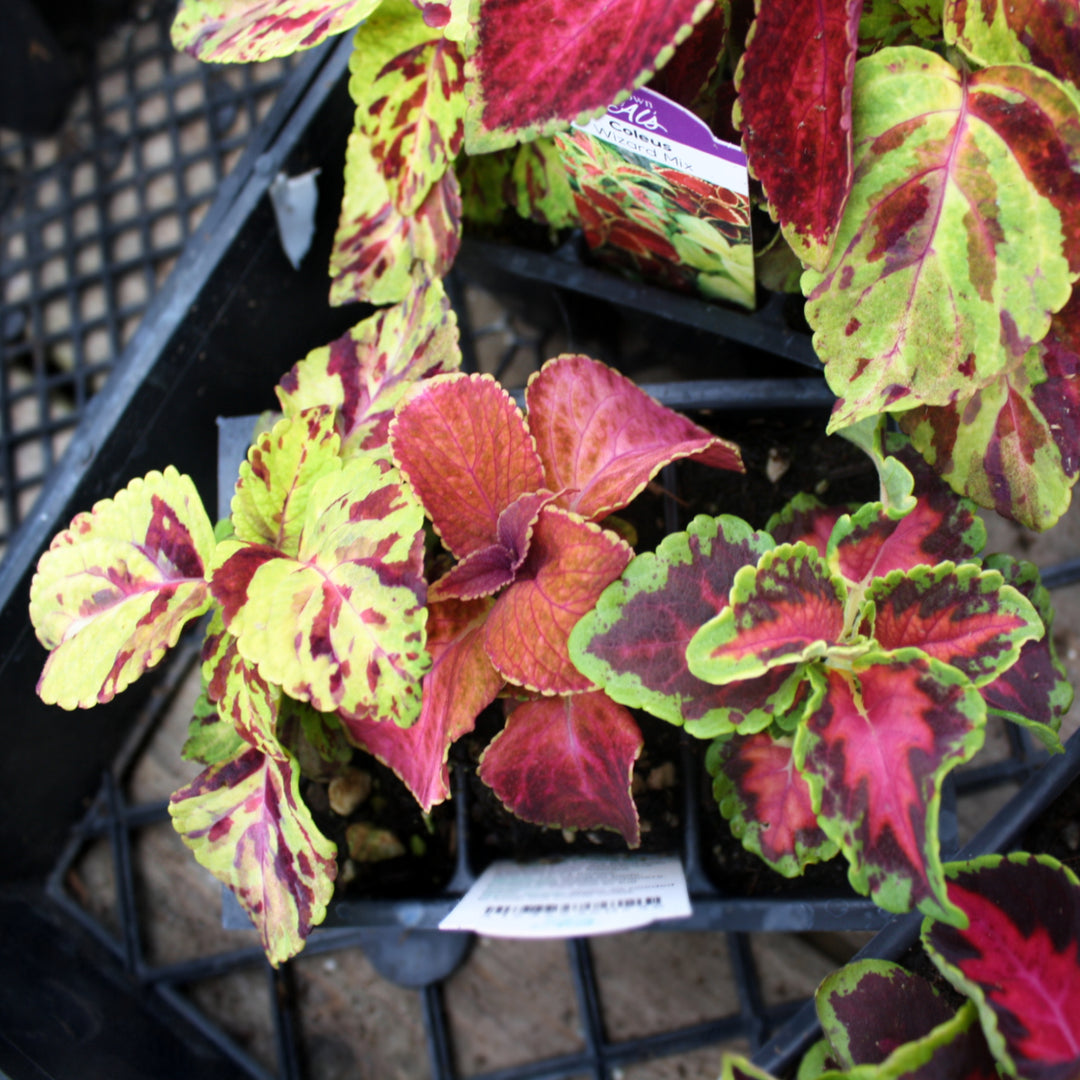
[(460, 683), (602, 439), (767, 801), (1018, 958), (794, 109), (567, 762), (519, 91), (806, 519), (687, 76), (570, 563), (464, 446), (875, 752)]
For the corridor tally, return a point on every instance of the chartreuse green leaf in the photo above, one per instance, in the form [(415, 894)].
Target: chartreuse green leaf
[(540, 187), (341, 624), (898, 22), (736, 1067), (449, 16), (213, 737), (486, 185), (240, 31), (959, 234), (895, 478), (115, 588)]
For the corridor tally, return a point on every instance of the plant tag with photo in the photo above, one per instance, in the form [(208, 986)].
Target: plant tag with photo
[(660, 196), (573, 897)]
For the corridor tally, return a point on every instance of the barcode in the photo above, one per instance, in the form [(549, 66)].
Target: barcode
[(573, 907)]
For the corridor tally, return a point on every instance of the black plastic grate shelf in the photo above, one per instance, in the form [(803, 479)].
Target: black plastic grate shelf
[(92, 220)]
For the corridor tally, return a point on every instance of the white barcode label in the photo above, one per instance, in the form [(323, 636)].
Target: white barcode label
[(573, 897)]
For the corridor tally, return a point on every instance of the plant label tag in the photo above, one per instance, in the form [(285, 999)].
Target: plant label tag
[(659, 195), (572, 897)]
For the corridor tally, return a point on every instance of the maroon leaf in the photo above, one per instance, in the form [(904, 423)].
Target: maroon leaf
[(687, 76), (805, 519)]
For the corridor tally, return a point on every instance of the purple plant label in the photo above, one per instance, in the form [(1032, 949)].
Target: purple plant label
[(648, 125)]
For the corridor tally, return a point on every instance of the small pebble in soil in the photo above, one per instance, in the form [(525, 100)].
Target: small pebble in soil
[(1071, 835), (662, 777), (348, 791), (776, 464), (368, 844)]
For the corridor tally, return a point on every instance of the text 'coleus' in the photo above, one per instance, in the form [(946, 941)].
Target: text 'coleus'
[(843, 662)]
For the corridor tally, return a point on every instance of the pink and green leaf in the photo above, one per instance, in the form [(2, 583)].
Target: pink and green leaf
[(602, 439), (114, 590), (240, 31), (805, 519), (367, 372), (449, 16), (1018, 958), (960, 235), (246, 823), (570, 563), (766, 801), (518, 91), (875, 753), (567, 762), (960, 615), (783, 611), (794, 110), (539, 186)]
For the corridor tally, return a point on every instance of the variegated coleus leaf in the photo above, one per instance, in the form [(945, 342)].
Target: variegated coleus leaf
[(601, 438), (767, 802), (449, 16), (239, 31), (807, 519), (460, 683), (875, 750), (1035, 692), (518, 90), (1045, 33), (246, 823), (316, 739), (633, 642), (485, 186), (539, 187), (213, 737), (960, 235), (794, 110), (960, 615), (895, 22), (354, 637), (114, 590), (408, 82), (366, 373), (1018, 958), (1013, 444), (567, 762), (381, 255)]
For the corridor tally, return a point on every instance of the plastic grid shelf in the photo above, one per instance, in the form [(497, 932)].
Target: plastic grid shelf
[(92, 220)]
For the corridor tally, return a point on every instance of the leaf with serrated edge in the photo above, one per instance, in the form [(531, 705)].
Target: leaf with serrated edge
[(570, 563), (240, 31), (1017, 958), (794, 110), (567, 762), (783, 611), (464, 447), (460, 683), (342, 624), (114, 590), (875, 753), (805, 518), (960, 234), (246, 823), (211, 738), (767, 802), (957, 614), (367, 372), (518, 91), (602, 439), (408, 82), (633, 643)]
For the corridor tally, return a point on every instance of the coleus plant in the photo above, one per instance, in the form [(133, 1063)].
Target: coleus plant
[(843, 661), (1016, 962)]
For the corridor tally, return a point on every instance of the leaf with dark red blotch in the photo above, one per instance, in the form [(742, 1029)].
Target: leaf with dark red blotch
[(366, 372), (449, 16), (464, 446), (805, 519), (566, 762), (960, 615), (1035, 692), (518, 91), (240, 31), (570, 563), (1045, 33), (633, 643), (794, 110), (786, 609), (460, 683), (1019, 958), (539, 187), (689, 74), (875, 752), (246, 823), (602, 439), (767, 802)]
